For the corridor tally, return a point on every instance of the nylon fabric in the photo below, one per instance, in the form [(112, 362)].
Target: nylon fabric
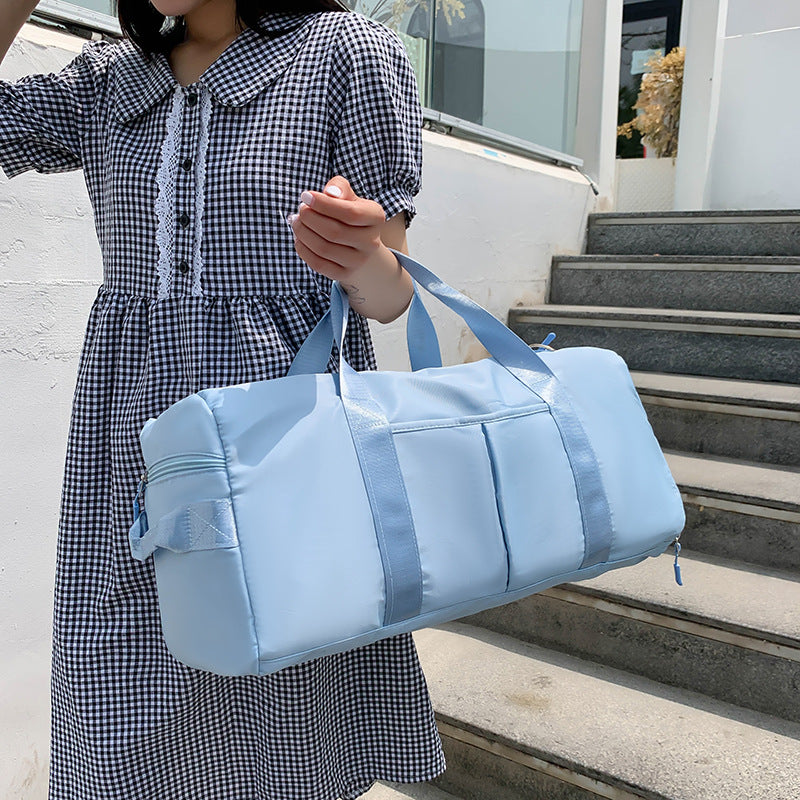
[(446, 489), (384, 483), (532, 371), (205, 525)]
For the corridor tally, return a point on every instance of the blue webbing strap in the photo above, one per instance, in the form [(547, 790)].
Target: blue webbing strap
[(313, 355), (383, 480), (206, 525), (423, 344)]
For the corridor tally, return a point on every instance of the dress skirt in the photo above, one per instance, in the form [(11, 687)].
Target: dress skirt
[(128, 720)]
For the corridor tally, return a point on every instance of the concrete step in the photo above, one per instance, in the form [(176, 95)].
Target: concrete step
[(520, 722), (740, 510), (729, 632), (387, 790), (756, 347), (721, 283), (739, 419), (725, 233)]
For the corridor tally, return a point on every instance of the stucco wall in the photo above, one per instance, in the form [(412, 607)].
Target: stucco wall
[(755, 162), (737, 147), (487, 223), (49, 272)]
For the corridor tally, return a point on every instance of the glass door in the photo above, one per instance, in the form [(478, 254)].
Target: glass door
[(648, 28)]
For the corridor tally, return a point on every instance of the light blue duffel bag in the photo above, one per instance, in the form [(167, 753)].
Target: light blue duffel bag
[(311, 514)]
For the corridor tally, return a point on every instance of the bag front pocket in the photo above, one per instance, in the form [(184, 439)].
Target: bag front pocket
[(449, 484), (536, 498)]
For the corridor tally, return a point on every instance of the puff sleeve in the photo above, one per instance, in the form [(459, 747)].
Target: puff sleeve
[(43, 117), (376, 116)]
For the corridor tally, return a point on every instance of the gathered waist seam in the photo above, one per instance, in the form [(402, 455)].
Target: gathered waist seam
[(103, 289)]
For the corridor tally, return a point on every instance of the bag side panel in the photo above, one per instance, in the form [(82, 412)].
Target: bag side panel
[(311, 558), (646, 506), (186, 426), (205, 610), (205, 614)]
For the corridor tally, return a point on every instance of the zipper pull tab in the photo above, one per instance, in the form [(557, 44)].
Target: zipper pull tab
[(137, 506), (676, 565), (545, 345)]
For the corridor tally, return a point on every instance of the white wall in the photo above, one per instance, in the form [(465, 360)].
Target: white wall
[(703, 36), (738, 141), (487, 224), (755, 161)]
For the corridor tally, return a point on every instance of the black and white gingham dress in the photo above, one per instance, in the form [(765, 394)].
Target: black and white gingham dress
[(203, 287)]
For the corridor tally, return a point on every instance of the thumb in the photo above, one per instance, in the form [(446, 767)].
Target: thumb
[(340, 187)]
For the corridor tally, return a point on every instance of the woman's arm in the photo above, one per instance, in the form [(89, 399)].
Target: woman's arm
[(383, 284), (347, 239), (13, 15), (44, 117)]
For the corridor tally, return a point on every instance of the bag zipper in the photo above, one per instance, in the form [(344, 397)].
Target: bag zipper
[(184, 463), (168, 467)]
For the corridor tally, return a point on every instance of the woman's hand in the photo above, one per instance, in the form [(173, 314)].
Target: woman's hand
[(340, 237)]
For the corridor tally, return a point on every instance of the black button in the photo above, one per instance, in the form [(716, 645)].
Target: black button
[(192, 99), (183, 219), (186, 164), (183, 266)]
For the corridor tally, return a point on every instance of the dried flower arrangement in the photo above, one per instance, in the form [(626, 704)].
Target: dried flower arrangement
[(659, 104)]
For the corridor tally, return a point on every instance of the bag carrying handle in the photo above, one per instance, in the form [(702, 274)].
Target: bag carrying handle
[(421, 338), (423, 345)]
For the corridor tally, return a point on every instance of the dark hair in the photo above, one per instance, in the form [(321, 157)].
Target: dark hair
[(145, 26)]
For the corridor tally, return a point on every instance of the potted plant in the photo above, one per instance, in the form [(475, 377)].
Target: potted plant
[(658, 106), (648, 184)]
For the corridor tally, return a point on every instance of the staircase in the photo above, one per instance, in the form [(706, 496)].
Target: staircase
[(628, 685)]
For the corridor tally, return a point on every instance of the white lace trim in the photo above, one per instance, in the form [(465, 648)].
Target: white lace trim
[(200, 184), (165, 201)]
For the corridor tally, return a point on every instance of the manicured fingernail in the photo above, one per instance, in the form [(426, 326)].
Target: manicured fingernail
[(292, 218), (307, 198), (334, 190)]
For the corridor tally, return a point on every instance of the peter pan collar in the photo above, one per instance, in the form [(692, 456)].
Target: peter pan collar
[(242, 70)]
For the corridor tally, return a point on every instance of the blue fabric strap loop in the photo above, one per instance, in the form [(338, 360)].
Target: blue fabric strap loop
[(206, 525), (383, 480), (423, 344)]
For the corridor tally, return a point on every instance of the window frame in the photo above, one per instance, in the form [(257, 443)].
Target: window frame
[(444, 123), (72, 16)]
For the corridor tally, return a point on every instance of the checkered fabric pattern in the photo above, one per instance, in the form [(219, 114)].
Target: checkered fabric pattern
[(202, 287)]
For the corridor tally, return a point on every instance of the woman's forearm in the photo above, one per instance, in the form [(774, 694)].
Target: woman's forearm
[(381, 289), (13, 15)]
